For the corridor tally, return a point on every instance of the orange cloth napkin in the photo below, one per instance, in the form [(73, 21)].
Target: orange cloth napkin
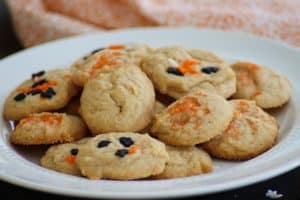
[(37, 21)]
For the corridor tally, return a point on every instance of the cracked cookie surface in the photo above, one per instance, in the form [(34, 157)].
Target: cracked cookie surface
[(121, 100)]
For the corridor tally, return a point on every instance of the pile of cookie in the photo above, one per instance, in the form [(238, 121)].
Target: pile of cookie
[(133, 112)]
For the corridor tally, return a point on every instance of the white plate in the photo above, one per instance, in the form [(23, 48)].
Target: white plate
[(20, 165)]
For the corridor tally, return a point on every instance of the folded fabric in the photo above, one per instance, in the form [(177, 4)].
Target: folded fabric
[(37, 21)]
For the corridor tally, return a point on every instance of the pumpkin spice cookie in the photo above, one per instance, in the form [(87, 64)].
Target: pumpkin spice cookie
[(185, 161), (251, 132), (122, 156), (122, 100), (177, 71), (62, 157), (48, 128), (261, 84), (107, 59), (193, 119), (45, 91)]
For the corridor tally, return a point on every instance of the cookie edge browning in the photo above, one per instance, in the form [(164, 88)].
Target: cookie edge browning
[(75, 129), (225, 155), (206, 163)]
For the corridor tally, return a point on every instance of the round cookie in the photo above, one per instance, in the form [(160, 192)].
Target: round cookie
[(185, 161), (45, 91), (177, 71), (48, 128), (122, 100), (261, 84), (62, 157), (251, 132), (122, 156), (106, 59), (193, 119)]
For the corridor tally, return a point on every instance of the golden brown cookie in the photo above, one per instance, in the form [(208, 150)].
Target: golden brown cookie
[(45, 91), (193, 119), (48, 128), (121, 100), (185, 161), (107, 59), (62, 157), (251, 132), (261, 84), (177, 71), (122, 156)]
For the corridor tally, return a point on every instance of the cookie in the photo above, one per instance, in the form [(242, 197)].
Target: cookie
[(48, 128), (193, 119), (107, 59), (185, 161), (62, 157), (45, 91), (177, 71), (122, 100), (251, 132), (122, 156), (261, 84)]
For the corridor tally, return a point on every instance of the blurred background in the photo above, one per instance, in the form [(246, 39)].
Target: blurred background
[(37, 21)]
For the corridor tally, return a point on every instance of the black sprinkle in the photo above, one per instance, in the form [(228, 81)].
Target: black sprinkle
[(38, 74), (51, 91), (46, 94), (126, 141), (97, 50), (20, 97), (34, 92), (210, 70), (174, 71), (74, 151), (103, 143), (121, 152), (39, 83)]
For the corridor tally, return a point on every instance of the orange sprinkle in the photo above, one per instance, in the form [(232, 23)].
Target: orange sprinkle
[(44, 86), (243, 106), (189, 104), (117, 46), (133, 150), (46, 117), (71, 159), (106, 59), (187, 66)]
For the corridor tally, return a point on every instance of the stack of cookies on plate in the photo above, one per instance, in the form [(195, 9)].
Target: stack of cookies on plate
[(133, 112)]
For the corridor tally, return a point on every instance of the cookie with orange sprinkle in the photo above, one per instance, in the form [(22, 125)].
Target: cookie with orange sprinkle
[(177, 71), (192, 119), (62, 157), (48, 128), (122, 156), (107, 59), (45, 91), (250, 133), (261, 84)]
